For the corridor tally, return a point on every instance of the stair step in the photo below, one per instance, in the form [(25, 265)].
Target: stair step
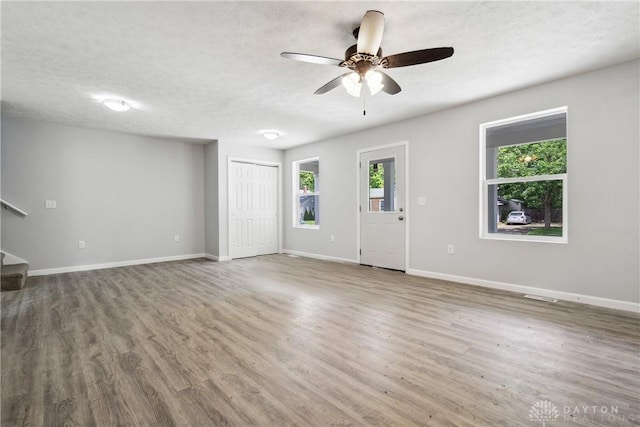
[(13, 277)]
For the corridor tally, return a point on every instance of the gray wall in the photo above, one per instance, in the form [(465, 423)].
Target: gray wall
[(126, 196), (602, 256), (211, 199)]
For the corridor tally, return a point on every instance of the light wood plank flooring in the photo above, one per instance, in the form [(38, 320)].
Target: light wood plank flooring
[(278, 340)]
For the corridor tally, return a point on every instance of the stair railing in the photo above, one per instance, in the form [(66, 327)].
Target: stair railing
[(8, 206)]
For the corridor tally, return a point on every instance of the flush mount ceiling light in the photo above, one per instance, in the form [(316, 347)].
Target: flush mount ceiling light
[(117, 105), (270, 134)]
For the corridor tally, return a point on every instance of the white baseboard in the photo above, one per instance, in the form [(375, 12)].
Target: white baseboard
[(566, 296), (71, 269), (217, 258), (560, 295), (317, 256)]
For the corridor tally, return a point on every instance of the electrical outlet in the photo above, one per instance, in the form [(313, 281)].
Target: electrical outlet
[(176, 238), (81, 244), (450, 248), (50, 204)]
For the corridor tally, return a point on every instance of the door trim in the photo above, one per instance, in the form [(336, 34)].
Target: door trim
[(407, 216), (278, 196)]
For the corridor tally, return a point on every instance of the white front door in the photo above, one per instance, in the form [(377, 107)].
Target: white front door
[(253, 209), (383, 208)]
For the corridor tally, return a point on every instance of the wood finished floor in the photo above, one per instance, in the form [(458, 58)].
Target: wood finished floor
[(277, 340)]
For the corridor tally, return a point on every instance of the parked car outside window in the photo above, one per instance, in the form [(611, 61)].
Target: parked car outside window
[(518, 217)]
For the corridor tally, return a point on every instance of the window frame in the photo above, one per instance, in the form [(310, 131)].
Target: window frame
[(295, 179), (486, 182)]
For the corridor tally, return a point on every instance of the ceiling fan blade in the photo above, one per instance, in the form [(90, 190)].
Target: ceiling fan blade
[(417, 57), (370, 33), (314, 59), (331, 85), (390, 86)]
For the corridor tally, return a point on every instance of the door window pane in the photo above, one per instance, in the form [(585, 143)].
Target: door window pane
[(382, 185)]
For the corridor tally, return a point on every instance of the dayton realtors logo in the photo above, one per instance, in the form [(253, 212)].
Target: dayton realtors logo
[(543, 411)]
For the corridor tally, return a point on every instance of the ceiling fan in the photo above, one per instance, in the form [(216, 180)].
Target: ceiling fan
[(365, 59)]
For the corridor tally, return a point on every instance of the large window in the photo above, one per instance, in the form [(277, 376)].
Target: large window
[(306, 197), (523, 164)]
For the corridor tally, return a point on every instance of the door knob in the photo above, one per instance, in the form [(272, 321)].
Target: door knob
[(400, 218)]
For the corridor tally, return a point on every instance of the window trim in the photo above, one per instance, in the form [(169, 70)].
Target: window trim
[(484, 182), (295, 176)]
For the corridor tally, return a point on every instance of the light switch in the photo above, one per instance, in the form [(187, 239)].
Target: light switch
[(50, 204), (422, 201)]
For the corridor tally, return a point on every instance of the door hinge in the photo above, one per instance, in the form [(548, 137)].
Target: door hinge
[(360, 251), (360, 165), (360, 208)]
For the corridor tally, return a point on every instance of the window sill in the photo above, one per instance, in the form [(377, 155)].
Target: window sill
[(307, 227), (525, 238)]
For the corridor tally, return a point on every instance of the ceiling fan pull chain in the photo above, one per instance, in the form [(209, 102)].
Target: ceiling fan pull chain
[(364, 102)]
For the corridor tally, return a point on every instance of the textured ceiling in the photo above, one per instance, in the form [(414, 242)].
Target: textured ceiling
[(212, 70)]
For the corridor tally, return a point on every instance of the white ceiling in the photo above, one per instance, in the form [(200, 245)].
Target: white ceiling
[(212, 70)]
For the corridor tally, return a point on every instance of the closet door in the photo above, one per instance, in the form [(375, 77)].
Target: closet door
[(253, 209)]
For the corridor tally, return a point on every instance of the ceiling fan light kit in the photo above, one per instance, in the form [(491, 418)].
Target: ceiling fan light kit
[(374, 81), (365, 59), (352, 83)]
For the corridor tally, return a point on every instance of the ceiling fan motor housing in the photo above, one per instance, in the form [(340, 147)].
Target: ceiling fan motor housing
[(351, 50), (361, 62)]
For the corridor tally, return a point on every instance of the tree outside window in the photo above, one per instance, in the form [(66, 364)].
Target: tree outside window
[(540, 158)]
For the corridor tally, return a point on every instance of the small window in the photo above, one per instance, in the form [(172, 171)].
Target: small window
[(524, 177), (306, 198), (382, 185)]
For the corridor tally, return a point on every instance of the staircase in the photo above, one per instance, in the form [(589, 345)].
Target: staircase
[(13, 276)]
